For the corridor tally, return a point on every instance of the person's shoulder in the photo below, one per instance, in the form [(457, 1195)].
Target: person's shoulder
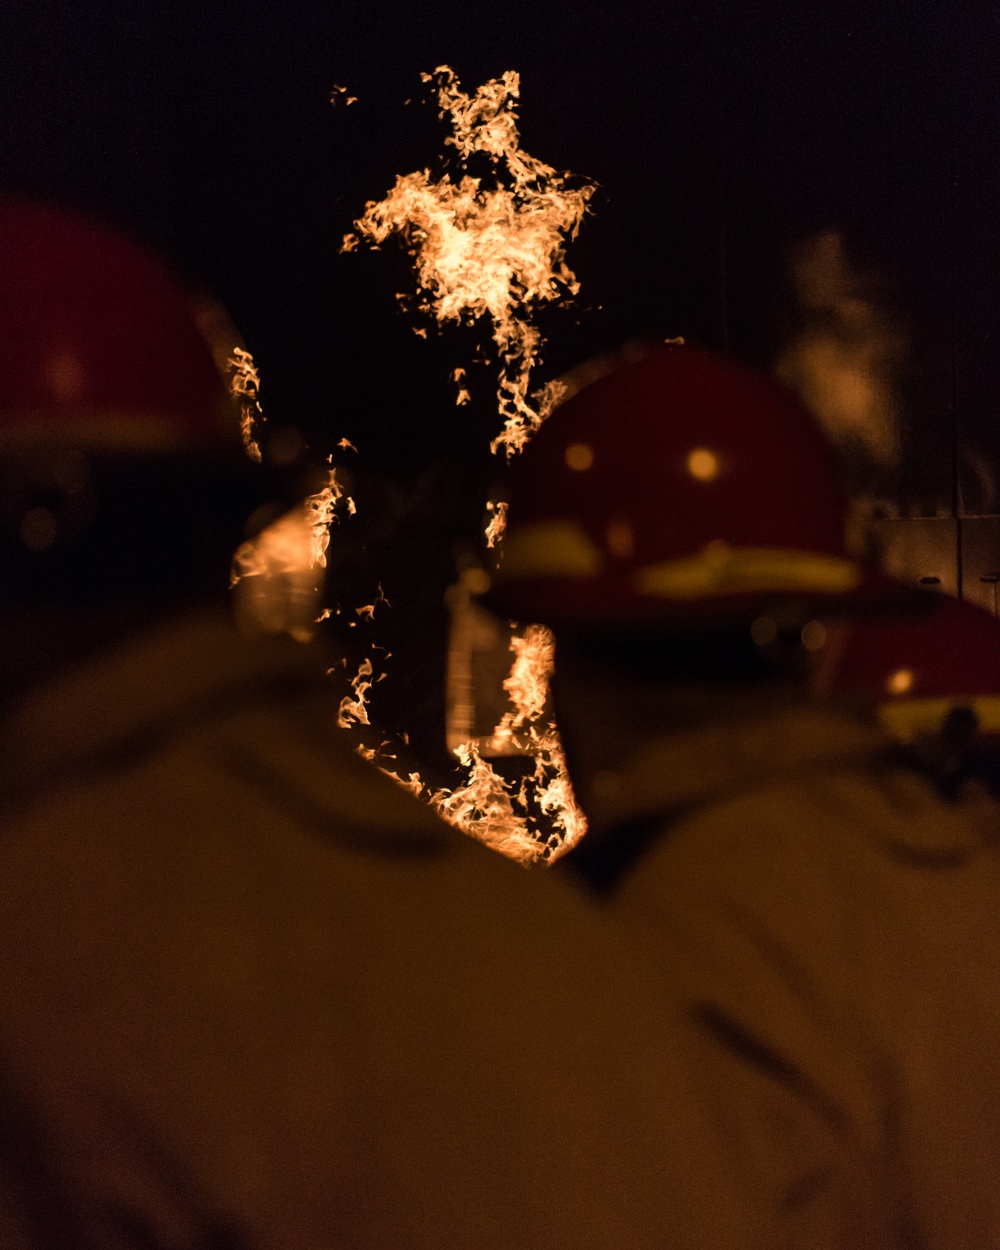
[(292, 758), (830, 838)]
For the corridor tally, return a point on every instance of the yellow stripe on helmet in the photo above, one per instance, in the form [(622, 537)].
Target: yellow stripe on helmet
[(907, 719), (720, 569), (549, 549), (562, 548)]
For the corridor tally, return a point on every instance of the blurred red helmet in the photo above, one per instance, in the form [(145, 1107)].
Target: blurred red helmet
[(676, 485), (98, 344), (917, 671)]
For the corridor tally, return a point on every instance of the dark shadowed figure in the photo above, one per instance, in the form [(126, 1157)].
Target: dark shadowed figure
[(823, 922)]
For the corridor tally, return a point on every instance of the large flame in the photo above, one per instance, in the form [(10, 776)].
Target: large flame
[(537, 819), (548, 788), (487, 251), (497, 252)]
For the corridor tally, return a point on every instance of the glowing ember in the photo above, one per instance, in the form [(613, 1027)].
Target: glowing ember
[(244, 386), (479, 251)]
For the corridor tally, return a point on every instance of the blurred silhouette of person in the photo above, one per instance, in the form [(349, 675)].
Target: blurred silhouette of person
[(934, 682), (822, 920), (254, 993)]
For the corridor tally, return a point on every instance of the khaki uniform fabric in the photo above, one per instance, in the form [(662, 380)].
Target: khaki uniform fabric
[(254, 994), (829, 931)]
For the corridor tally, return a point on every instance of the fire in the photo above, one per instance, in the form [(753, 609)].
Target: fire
[(497, 252), (368, 611), (528, 683), (244, 386), (279, 573), (320, 512), (537, 820), (487, 251), (483, 808), (463, 396), (498, 523), (527, 687), (355, 710), (555, 797)]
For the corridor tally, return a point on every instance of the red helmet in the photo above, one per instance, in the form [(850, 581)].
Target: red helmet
[(98, 343), (918, 671), (676, 485)]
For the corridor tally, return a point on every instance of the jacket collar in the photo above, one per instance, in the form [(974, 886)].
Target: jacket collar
[(837, 750), (731, 750)]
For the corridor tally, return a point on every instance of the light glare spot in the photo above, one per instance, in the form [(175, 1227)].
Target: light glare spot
[(900, 682), (763, 631), (620, 539), (579, 456), (813, 635), (477, 581), (38, 529), (717, 553), (65, 376), (703, 464)]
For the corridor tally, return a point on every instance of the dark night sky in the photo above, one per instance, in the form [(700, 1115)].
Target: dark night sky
[(719, 133)]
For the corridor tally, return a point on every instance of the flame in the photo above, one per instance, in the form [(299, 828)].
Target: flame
[(479, 251), (280, 570), (484, 809), (368, 611), (496, 252), (244, 386), (463, 397), (355, 710), (498, 523), (320, 512), (528, 683), (527, 686), (536, 821), (555, 796), (540, 820)]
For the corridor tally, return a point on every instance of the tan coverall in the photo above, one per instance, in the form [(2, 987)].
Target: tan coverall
[(830, 932), (254, 994)]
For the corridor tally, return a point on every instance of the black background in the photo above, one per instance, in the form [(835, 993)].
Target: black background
[(719, 135)]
